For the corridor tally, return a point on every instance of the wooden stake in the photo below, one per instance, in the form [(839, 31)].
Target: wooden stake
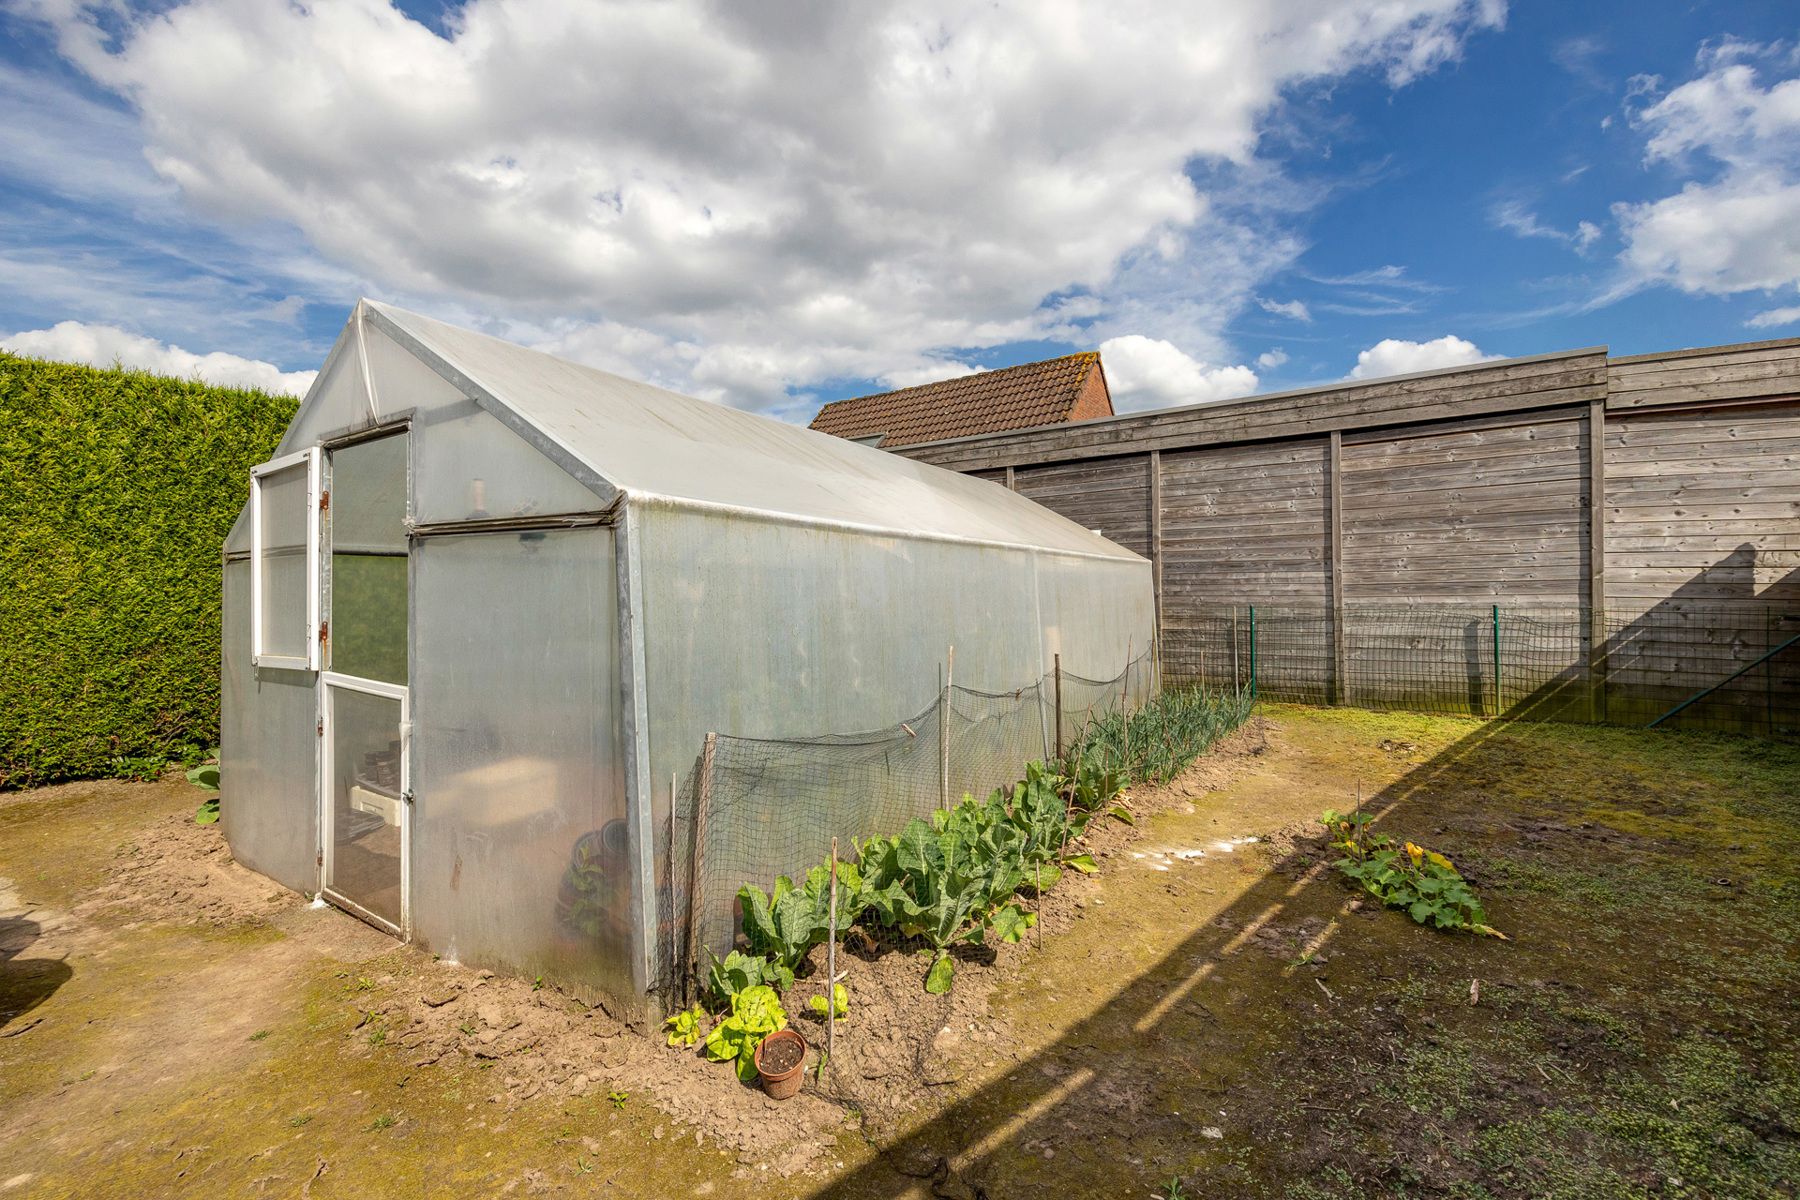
[(1059, 744), (697, 866), (944, 733), (831, 968)]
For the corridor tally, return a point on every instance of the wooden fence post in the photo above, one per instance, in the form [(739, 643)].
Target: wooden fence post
[(831, 967), (944, 732), (696, 913)]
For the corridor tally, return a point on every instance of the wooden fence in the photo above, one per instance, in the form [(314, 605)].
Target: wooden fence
[(1648, 507)]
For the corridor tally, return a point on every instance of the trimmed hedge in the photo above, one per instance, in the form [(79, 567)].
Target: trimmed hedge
[(117, 489)]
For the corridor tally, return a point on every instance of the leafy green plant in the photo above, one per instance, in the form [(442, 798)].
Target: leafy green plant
[(738, 971), (791, 919), (756, 1012), (144, 768), (938, 882), (206, 776), (684, 1027), (779, 926), (1155, 742), (1010, 922), (617, 1098), (1408, 876), (840, 1001)]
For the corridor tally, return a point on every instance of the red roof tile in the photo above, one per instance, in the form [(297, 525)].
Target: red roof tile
[(1040, 393)]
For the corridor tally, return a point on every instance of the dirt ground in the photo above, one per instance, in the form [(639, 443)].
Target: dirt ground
[(1214, 1007)]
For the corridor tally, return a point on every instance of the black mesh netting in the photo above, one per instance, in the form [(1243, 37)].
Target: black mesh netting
[(754, 808)]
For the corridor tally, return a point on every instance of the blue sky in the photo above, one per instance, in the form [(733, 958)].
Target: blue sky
[(818, 203)]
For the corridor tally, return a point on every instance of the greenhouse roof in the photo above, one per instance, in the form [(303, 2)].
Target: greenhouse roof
[(654, 444)]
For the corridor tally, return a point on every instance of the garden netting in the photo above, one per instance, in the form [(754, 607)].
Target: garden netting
[(754, 808)]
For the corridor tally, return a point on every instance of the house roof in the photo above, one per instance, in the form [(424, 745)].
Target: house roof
[(619, 435), (1038, 393)]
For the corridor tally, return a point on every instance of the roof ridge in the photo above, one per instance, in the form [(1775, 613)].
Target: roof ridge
[(1088, 358)]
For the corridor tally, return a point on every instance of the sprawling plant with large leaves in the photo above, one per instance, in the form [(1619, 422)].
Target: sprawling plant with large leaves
[(789, 921), (949, 881), (1423, 882)]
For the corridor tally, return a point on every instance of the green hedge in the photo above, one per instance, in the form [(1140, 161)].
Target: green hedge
[(117, 489)]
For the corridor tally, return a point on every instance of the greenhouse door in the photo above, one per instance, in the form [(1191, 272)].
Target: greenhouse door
[(366, 809), (365, 775)]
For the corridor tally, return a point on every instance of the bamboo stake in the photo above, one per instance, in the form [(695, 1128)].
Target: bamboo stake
[(831, 968)]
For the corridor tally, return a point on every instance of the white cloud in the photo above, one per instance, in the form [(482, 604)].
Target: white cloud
[(106, 345), (1774, 318), (1737, 229), (1396, 356), (1286, 308), (1514, 217), (738, 203), (1143, 372), (1268, 360)]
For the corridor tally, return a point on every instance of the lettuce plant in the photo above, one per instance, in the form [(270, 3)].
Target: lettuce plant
[(756, 1012), (684, 1027), (840, 1001)]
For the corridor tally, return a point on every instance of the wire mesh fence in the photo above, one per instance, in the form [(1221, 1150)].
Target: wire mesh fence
[(1735, 667), (753, 808)]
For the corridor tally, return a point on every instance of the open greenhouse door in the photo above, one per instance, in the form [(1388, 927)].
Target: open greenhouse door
[(365, 772)]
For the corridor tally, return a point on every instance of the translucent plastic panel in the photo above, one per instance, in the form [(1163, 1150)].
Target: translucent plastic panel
[(238, 540), (368, 496), (363, 865), (338, 400), (765, 630), (285, 512), (268, 751), (522, 859), (472, 467), (367, 617)]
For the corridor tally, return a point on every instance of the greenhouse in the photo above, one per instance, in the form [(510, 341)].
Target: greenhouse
[(518, 653)]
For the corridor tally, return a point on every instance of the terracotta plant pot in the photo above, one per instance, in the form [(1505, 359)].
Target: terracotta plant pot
[(784, 1083)]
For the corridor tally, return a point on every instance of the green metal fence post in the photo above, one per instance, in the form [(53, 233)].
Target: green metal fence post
[(1498, 705), (1253, 654)]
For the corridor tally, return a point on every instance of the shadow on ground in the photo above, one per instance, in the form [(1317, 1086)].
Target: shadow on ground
[(25, 985), (1632, 1040)]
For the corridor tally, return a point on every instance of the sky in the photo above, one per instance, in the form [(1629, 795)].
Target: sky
[(778, 205)]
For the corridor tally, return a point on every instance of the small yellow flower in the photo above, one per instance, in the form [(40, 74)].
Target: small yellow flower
[(1416, 853)]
